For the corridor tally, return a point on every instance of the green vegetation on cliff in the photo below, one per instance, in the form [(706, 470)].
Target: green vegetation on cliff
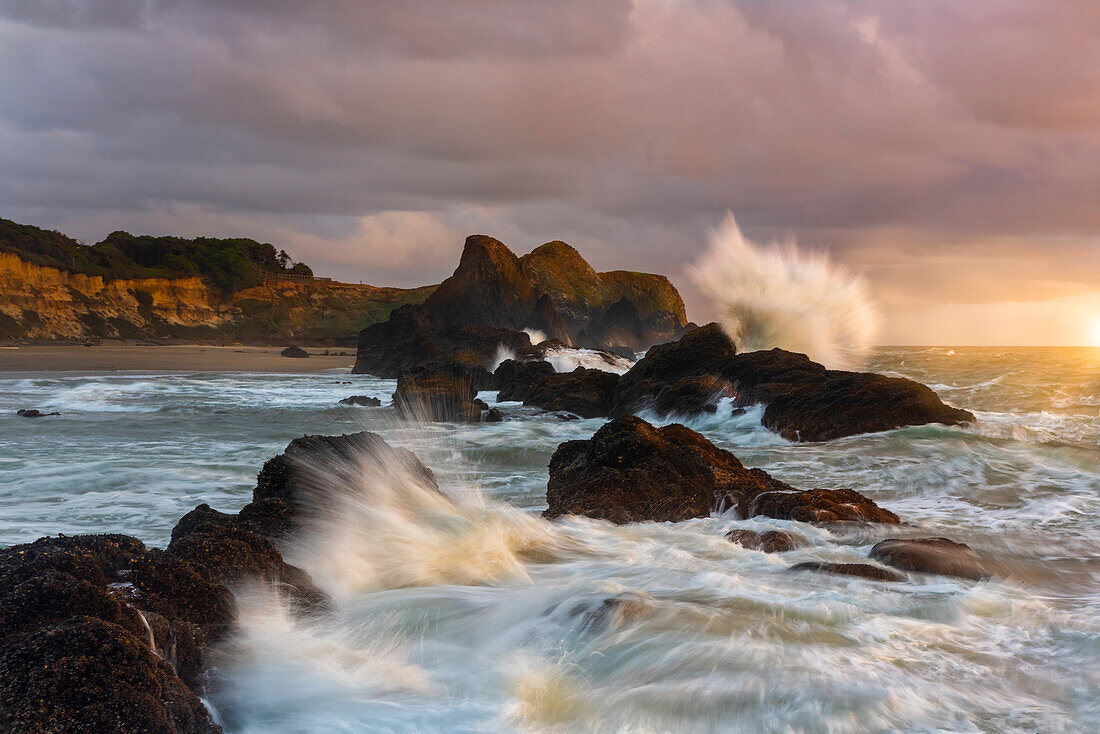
[(229, 264)]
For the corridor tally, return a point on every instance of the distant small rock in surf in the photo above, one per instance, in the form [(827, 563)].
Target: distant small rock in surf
[(365, 401), (294, 351), (33, 413)]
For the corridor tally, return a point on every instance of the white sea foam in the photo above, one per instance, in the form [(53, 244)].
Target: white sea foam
[(567, 359), (781, 296)]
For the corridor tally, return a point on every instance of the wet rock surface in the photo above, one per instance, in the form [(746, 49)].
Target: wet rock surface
[(585, 392), (859, 570), (803, 400), (806, 402), (630, 471), (696, 354), (932, 555), (513, 379), (76, 651), (767, 541), (816, 506)]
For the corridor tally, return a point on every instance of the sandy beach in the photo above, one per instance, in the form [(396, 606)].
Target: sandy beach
[(167, 358)]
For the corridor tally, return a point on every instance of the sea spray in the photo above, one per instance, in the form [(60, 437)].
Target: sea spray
[(782, 296), (382, 525)]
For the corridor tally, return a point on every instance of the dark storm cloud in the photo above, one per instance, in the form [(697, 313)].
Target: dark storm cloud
[(356, 132)]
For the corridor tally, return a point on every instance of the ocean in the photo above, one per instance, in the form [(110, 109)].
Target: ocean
[(478, 616)]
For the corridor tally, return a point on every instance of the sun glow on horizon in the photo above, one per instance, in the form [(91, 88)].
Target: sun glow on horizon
[(1094, 333)]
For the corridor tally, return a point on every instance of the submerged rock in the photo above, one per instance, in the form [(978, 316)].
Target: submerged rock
[(294, 351), (365, 401), (860, 570), (630, 471), (766, 541), (587, 393), (817, 506), (931, 555), (493, 415)]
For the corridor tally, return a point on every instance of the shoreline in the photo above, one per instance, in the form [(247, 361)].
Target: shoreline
[(169, 358)]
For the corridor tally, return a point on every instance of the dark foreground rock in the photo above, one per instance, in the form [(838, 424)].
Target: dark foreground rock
[(587, 393), (77, 653), (766, 541), (803, 400), (101, 634), (294, 351), (630, 471), (860, 570), (365, 401), (932, 555), (438, 393), (33, 413)]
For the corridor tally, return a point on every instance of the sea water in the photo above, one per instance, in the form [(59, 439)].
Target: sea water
[(475, 615)]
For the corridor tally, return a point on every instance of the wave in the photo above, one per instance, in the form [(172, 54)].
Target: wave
[(382, 526), (781, 296)]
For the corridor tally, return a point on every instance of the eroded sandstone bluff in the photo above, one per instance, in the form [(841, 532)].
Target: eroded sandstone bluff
[(493, 295), (126, 287)]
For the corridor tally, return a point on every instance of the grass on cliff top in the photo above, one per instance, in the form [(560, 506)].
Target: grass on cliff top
[(229, 264)]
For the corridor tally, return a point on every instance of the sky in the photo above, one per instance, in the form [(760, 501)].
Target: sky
[(947, 151)]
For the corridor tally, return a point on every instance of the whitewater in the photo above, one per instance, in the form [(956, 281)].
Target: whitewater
[(478, 616)]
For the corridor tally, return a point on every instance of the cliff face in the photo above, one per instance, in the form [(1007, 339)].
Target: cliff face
[(38, 302)]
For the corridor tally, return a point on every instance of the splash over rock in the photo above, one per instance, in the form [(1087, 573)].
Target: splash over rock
[(766, 541), (443, 392), (630, 471), (932, 555), (803, 400)]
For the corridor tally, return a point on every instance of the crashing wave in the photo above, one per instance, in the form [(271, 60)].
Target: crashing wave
[(781, 296)]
